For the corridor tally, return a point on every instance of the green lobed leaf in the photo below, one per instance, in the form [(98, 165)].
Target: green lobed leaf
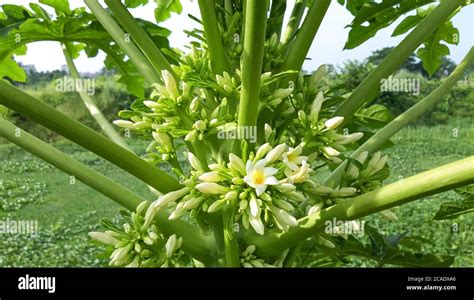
[(454, 209), (371, 16), (60, 6), (375, 116), (165, 8), (433, 50)]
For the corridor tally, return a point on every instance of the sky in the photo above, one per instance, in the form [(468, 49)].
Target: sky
[(327, 47)]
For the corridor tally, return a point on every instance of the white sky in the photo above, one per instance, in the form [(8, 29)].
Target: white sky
[(326, 48)]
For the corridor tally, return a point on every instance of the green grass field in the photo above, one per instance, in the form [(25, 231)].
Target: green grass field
[(66, 210)]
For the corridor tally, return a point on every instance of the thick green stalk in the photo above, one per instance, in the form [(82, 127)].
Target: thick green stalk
[(73, 130), (367, 90), (195, 243), (231, 245), (412, 114), (434, 181), (306, 34), (213, 36), (88, 176), (294, 21), (252, 61), (278, 19), (139, 35), (95, 112), (125, 44)]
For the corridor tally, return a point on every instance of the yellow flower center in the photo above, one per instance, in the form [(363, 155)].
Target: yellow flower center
[(292, 157), (258, 177)]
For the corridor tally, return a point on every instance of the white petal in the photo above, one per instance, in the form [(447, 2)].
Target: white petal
[(254, 207), (260, 188), (257, 225), (270, 171), (271, 180)]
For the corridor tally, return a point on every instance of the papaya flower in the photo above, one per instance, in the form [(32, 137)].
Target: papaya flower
[(259, 177)]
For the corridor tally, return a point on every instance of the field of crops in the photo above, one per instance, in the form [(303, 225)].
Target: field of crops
[(66, 210)]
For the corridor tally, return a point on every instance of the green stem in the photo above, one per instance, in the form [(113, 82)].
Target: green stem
[(434, 181), (95, 112), (231, 245), (294, 21), (292, 255), (412, 114), (195, 243), (213, 36), (367, 90), (306, 34), (73, 130), (229, 11), (141, 38), (252, 61), (119, 36), (274, 10)]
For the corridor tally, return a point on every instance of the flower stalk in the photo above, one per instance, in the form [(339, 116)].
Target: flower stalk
[(446, 177), (95, 112)]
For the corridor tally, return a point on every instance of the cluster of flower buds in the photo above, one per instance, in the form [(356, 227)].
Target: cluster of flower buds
[(249, 260), (322, 135), (139, 244), (265, 188), (273, 56)]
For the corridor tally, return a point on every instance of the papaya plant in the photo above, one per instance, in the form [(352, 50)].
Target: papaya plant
[(271, 153)]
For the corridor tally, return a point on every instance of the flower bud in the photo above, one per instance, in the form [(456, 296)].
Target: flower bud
[(236, 164), (268, 131), (200, 125), (216, 205), (262, 150), (170, 246), (283, 216), (389, 215), (329, 151), (351, 138), (194, 161), (164, 140), (257, 225), (212, 176), (170, 84), (211, 188), (254, 206), (344, 192), (282, 93), (164, 200), (316, 108), (275, 153), (124, 124), (333, 123), (104, 238)]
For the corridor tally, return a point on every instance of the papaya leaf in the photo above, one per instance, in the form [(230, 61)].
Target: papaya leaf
[(371, 16), (165, 8), (454, 209), (433, 50), (375, 116), (60, 6)]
